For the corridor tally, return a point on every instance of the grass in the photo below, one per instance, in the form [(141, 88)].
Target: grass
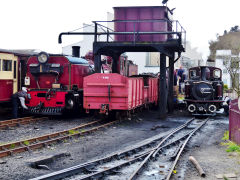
[(12, 146), (26, 143), (231, 146), (73, 132), (225, 136), (82, 131), (225, 178)]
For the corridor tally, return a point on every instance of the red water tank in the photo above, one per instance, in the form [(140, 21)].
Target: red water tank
[(142, 19)]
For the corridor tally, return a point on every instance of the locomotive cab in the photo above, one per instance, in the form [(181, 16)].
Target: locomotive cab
[(204, 90), (55, 83)]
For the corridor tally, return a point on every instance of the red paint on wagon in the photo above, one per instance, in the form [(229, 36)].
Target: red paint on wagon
[(234, 122), (117, 92)]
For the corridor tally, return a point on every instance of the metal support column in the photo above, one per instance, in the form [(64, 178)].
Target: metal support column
[(97, 63), (171, 84), (115, 62), (162, 98)]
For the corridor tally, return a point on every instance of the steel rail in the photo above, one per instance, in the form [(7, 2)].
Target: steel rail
[(146, 155), (42, 141), (139, 168), (85, 167), (19, 121), (14, 120), (182, 148)]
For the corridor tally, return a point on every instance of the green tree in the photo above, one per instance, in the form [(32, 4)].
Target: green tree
[(228, 41)]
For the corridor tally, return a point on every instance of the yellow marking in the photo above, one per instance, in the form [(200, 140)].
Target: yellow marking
[(40, 67)]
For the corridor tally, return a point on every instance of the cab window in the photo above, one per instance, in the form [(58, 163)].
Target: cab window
[(7, 65), (217, 73), (193, 73)]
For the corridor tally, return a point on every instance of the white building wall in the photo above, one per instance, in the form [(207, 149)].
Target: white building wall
[(86, 44), (220, 56), (140, 59), (225, 76)]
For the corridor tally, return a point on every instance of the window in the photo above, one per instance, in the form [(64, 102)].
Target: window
[(0, 64), (7, 65), (217, 73), (193, 73)]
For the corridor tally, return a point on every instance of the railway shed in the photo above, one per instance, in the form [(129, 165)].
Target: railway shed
[(141, 29)]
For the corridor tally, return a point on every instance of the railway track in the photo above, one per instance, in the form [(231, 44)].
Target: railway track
[(19, 121), (129, 164), (42, 141)]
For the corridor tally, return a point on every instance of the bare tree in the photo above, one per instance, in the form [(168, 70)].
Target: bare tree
[(232, 63)]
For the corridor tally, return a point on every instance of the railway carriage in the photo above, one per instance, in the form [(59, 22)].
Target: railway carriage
[(9, 83), (55, 83), (204, 90), (114, 92)]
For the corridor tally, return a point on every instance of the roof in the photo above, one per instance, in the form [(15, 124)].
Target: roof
[(139, 7), (23, 52), (76, 60)]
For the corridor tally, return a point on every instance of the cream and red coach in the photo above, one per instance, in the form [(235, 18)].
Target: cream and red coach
[(9, 83), (55, 83)]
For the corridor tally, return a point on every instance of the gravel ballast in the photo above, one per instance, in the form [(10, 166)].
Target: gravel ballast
[(112, 139)]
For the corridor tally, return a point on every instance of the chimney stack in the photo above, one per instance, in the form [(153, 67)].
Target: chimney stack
[(76, 51)]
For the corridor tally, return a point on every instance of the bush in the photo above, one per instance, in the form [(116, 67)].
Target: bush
[(225, 87)]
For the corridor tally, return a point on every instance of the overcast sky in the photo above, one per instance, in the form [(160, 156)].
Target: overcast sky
[(36, 24)]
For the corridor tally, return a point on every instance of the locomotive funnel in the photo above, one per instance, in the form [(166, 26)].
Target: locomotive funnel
[(76, 51), (205, 73)]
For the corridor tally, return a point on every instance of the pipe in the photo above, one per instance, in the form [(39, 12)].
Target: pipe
[(197, 165), (179, 55)]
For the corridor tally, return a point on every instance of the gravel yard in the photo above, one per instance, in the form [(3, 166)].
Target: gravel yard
[(39, 128), (205, 145), (212, 156)]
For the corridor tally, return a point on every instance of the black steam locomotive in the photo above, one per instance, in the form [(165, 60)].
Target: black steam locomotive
[(204, 90)]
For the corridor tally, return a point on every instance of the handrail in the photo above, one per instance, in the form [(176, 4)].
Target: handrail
[(179, 33)]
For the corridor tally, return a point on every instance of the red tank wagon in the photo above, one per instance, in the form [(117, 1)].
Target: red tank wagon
[(55, 83), (143, 19), (115, 92)]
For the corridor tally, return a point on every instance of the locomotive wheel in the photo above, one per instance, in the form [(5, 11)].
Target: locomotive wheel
[(112, 115), (70, 103)]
